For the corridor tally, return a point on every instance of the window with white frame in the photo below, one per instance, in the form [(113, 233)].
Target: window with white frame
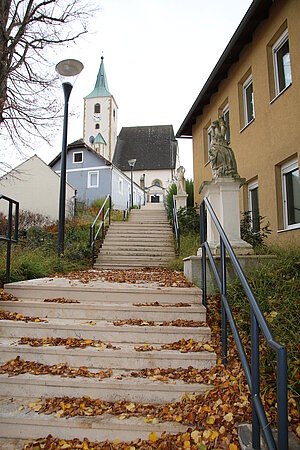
[(282, 63), (93, 179), (120, 185), (77, 157), (254, 205), (209, 137), (291, 194), (248, 100), (226, 120)]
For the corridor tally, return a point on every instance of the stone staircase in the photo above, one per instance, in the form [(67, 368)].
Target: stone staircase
[(99, 303), (145, 240)]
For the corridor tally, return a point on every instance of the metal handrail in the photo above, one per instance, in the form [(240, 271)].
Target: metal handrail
[(258, 321), (103, 214), (9, 238), (176, 225)]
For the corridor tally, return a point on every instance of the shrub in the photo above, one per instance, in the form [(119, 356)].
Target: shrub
[(190, 192), (276, 287), (255, 238), (188, 220)]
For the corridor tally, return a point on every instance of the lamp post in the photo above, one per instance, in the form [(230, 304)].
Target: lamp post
[(131, 162), (68, 71)]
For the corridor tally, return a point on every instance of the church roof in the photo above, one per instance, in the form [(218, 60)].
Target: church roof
[(99, 139), (101, 86), (153, 147), (76, 145)]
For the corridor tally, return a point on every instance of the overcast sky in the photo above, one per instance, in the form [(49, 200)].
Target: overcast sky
[(157, 56)]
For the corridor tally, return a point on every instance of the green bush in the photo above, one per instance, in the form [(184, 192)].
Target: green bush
[(188, 220), (276, 287), (255, 238), (190, 192)]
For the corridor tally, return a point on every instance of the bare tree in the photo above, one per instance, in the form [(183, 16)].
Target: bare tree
[(28, 29)]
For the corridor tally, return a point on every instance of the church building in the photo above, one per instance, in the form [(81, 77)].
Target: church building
[(100, 117)]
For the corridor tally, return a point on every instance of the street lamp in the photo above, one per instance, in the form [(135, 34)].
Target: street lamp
[(131, 162), (68, 71)]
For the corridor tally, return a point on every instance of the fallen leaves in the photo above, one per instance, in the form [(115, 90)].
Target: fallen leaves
[(6, 297), (66, 342), (165, 305), (60, 300), (160, 276), (8, 315), (183, 346), (18, 366), (151, 323)]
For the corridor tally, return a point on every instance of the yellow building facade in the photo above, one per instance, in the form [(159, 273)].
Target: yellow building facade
[(256, 87)]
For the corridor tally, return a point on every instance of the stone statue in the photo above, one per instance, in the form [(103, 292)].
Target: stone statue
[(180, 180), (220, 155)]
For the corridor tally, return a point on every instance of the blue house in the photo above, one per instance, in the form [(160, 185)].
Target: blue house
[(94, 177)]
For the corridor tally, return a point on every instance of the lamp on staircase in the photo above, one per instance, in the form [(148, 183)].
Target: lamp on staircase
[(131, 163), (68, 71)]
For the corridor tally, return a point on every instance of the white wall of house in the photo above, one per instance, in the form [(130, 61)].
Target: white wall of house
[(165, 176), (36, 187), (121, 188)]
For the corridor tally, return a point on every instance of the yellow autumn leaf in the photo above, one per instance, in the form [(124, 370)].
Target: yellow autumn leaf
[(130, 407), (20, 408), (196, 435), (152, 437), (206, 434), (213, 436), (232, 447), (122, 416), (65, 445), (228, 417), (210, 420), (298, 430), (59, 413), (222, 429), (186, 444), (208, 348), (178, 418), (116, 441)]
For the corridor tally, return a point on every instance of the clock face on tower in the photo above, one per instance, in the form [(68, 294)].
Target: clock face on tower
[(97, 117)]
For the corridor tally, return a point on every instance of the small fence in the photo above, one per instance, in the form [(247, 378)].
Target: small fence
[(9, 239), (258, 322), (102, 215)]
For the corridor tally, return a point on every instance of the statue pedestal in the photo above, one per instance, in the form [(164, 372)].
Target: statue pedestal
[(181, 201), (223, 195)]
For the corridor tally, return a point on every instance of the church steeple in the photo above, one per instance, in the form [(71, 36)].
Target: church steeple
[(101, 86), (100, 117)]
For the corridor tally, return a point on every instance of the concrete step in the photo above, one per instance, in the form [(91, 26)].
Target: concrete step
[(27, 424), (126, 358), (129, 265), (102, 291), (102, 330), (132, 243), (104, 311), (128, 388), (146, 252), (140, 226)]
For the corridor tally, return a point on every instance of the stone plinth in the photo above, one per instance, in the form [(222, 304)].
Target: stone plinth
[(181, 201), (193, 268), (223, 195)]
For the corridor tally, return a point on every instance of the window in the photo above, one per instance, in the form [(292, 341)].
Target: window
[(77, 157), (114, 113), (254, 205), (209, 137), (248, 100), (93, 179), (226, 120), (120, 186), (281, 63), (97, 108), (157, 183), (291, 194), (97, 126)]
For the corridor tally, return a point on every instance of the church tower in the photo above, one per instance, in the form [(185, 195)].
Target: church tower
[(100, 117)]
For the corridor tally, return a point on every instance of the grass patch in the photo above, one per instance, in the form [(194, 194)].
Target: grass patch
[(189, 244), (276, 287)]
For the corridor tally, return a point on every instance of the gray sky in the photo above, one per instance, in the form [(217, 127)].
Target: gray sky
[(157, 56)]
